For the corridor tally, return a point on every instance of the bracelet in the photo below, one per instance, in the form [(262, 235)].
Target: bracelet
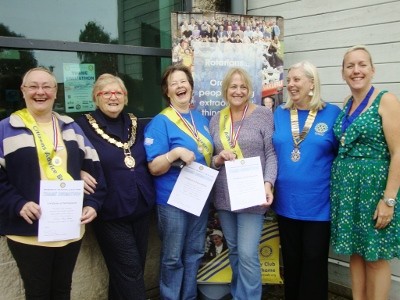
[(167, 158)]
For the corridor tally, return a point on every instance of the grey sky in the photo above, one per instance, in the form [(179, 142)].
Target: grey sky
[(57, 20)]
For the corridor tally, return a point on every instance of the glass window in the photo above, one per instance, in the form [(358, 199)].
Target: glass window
[(124, 22), (76, 73), (128, 22)]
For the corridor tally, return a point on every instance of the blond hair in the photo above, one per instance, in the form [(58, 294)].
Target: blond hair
[(106, 79), (355, 48), (310, 71), (228, 78)]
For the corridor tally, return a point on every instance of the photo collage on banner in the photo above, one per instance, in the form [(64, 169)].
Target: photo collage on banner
[(209, 44)]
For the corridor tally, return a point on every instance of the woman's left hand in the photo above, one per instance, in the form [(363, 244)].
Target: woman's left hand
[(88, 214), (383, 215)]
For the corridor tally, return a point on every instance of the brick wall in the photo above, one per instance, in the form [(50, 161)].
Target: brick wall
[(90, 279)]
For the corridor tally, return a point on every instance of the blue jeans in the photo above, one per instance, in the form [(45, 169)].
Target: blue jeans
[(183, 242), (242, 233)]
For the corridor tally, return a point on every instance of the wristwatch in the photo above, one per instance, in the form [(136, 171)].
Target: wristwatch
[(389, 201)]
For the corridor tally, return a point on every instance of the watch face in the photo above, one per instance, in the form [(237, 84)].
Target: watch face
[(391, 202)]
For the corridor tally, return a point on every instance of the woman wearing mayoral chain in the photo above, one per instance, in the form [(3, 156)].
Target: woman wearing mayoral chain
[(305, 146), (242, 130), (178, 133), (123, 224), (366, 179)]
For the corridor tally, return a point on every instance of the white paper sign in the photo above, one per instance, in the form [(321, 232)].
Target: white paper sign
[(192, 188), (245, 182), (61, 205)]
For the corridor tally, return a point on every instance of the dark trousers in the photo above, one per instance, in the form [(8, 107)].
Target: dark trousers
[(124, 246), (305, 248), (45, 271)]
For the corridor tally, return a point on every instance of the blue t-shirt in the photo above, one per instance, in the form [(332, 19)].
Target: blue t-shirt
[(302, 187), (161, 136)]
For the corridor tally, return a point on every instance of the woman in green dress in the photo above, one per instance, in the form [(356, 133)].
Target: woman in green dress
[(366, 179)]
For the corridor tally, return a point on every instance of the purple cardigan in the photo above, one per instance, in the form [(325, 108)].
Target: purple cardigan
[(255, 139), (20, 171)]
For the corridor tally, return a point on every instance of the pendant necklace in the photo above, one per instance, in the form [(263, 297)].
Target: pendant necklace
[(297, 136), (126, 146)]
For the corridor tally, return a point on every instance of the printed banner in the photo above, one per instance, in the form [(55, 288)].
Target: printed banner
[(210, 43), (212, 61), (216, 269)]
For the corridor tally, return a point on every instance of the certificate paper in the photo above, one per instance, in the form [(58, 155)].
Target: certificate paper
[(245, 182), (61, 205), (192, 188)]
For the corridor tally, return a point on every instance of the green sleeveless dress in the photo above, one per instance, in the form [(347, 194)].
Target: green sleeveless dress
[(359, 175)]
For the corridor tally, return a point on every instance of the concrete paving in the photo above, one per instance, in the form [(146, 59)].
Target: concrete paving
[(275, 292)]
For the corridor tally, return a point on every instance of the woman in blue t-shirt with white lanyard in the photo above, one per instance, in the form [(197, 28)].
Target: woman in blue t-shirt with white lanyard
[(305, 145), (178, 134)]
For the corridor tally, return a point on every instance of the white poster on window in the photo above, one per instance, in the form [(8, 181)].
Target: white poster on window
[(78, 85)]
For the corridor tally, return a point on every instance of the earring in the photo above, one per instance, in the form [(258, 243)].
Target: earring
[(310, 93)]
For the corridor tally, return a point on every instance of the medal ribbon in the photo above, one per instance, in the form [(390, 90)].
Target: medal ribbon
[(174, 116), (233, 137), (44, 147), (347, 120), (227, 136), (294, 123), (192, 127), (55, 132)]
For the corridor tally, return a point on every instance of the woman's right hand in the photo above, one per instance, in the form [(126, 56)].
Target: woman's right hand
[(30, 212), (223, 156), (162, 163), (182, 153)]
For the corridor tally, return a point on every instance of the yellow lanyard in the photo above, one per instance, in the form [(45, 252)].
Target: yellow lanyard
[(44, 148), (226, 132), (204, 144)]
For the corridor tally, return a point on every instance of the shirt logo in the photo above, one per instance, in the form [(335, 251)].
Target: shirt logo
[(148, 141), (321, 128)]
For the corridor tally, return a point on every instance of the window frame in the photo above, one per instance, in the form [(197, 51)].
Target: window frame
[(50, 45)]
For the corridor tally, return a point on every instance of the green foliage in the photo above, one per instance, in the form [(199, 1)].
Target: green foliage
[(105, 63)]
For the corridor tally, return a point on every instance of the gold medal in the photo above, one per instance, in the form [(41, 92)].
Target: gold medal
[(129, 161), (56, 161), (295, 154)]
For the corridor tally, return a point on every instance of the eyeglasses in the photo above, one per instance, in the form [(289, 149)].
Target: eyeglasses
[(35, 88), (108, 94)]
